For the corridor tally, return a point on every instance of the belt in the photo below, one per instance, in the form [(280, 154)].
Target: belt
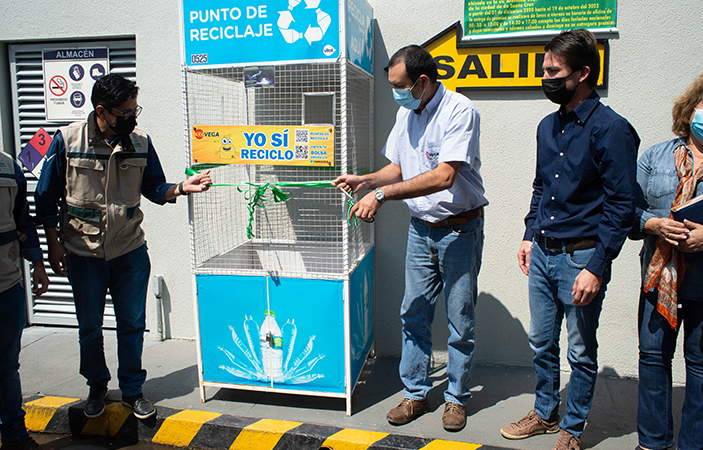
[(566, 245), (8, 236), (457, 219)]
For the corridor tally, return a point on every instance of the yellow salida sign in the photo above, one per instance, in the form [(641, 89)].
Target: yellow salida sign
[(464, 65), (273, 145)]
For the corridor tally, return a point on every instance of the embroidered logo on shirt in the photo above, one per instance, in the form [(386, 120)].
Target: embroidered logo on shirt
[(432, 155)]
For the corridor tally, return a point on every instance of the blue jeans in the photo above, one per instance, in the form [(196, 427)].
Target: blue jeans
[(449, 258), (655, 423), (127, 277), (551, 281), (13, 311)]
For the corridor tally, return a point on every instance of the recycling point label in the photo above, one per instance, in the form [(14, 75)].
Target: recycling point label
[(272, 32)]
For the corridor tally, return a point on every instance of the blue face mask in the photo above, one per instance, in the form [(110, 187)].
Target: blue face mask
[(697, 125), (404, 97)]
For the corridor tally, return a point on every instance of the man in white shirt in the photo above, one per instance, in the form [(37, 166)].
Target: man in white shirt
[(434, 168)]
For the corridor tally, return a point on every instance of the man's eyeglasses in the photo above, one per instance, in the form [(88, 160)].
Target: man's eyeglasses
[(128, 114)]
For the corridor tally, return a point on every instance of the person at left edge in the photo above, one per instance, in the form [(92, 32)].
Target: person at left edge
[(17, 236), (88, 202)]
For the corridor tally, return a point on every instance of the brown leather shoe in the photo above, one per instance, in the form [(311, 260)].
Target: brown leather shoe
[(407, 411), (530, 425), (454, 417), (567, 441)]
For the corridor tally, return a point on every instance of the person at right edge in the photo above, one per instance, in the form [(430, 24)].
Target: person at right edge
[(668, 174), (581, 211)]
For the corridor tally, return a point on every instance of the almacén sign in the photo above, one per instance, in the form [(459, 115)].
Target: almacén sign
[(273, 145), (467, 66)]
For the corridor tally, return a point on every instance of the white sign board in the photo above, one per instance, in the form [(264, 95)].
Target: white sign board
[(69, 75)]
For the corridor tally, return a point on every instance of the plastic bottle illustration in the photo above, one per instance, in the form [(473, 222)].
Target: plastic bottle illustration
[(289, 332), (275, 358), (271, 344), (251, 329)]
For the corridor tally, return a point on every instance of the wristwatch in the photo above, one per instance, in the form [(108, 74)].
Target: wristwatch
[(380, 196)]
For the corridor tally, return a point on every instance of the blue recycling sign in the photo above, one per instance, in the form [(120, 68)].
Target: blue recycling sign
[(218, 34), (359, 26)]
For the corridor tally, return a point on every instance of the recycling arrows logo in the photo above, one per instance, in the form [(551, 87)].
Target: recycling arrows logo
[(313, 33)]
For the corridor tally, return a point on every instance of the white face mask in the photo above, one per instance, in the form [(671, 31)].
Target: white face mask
[(404, 97)]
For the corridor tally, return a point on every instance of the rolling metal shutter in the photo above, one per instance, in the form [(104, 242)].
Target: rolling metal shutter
[(56, 306)]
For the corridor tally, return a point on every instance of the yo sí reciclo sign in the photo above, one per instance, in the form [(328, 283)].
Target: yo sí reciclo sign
[(274, 145)]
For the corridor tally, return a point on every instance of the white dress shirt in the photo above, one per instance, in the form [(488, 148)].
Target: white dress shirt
[(446, 130)]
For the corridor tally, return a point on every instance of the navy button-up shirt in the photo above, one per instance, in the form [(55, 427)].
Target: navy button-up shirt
[(585, 178)]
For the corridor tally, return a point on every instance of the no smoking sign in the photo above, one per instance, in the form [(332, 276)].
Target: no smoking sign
[(58, 85)]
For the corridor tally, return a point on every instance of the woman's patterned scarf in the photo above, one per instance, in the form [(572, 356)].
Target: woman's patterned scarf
[(667, 267)]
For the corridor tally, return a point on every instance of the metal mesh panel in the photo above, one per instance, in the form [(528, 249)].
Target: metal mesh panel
[(359, 127), (308, 235)]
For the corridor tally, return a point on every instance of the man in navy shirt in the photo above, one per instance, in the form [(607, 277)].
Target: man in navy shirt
[(582, 208)]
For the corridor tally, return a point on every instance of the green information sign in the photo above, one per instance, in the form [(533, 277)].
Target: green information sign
[(497, 17)]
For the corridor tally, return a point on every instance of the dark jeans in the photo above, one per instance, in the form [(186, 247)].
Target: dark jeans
[(12, 320), (655, 423), (127, 277), (551, 281)]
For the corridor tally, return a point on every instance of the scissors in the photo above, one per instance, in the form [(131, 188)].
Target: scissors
[(352, 201)]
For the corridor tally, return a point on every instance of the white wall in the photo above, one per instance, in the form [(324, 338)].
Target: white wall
[(653, 60), (155, 24)]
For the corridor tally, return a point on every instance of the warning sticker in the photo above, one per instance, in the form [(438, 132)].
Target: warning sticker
[(32, 155)]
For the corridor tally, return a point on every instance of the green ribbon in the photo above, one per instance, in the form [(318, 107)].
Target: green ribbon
[(255, 195)]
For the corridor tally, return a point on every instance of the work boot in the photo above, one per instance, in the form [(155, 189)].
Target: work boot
[(567, 441), (407, 411), (530, 425), (141, 407), (95, 405), (26, 443), (454, 417)]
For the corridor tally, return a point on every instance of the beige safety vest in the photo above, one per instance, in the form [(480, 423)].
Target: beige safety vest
[(10, 273), (101, 217)]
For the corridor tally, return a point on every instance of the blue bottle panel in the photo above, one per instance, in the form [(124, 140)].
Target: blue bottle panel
[(361, 303), (308, 314)]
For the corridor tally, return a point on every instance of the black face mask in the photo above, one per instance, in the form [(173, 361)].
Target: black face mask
[(123, 127), (555, 90)]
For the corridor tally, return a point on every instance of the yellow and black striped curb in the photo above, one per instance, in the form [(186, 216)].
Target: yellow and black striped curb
[(209, 430)]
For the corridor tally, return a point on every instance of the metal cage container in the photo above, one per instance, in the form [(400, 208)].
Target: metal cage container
[(308, 235)]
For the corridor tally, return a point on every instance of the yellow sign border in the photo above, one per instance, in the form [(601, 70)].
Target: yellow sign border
[(468, 65), (303, 145)]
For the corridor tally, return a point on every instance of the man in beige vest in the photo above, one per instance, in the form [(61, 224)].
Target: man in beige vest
[(88, 196), (17, 235)]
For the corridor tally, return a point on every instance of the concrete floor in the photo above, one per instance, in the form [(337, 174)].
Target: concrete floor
[(49, 366)]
